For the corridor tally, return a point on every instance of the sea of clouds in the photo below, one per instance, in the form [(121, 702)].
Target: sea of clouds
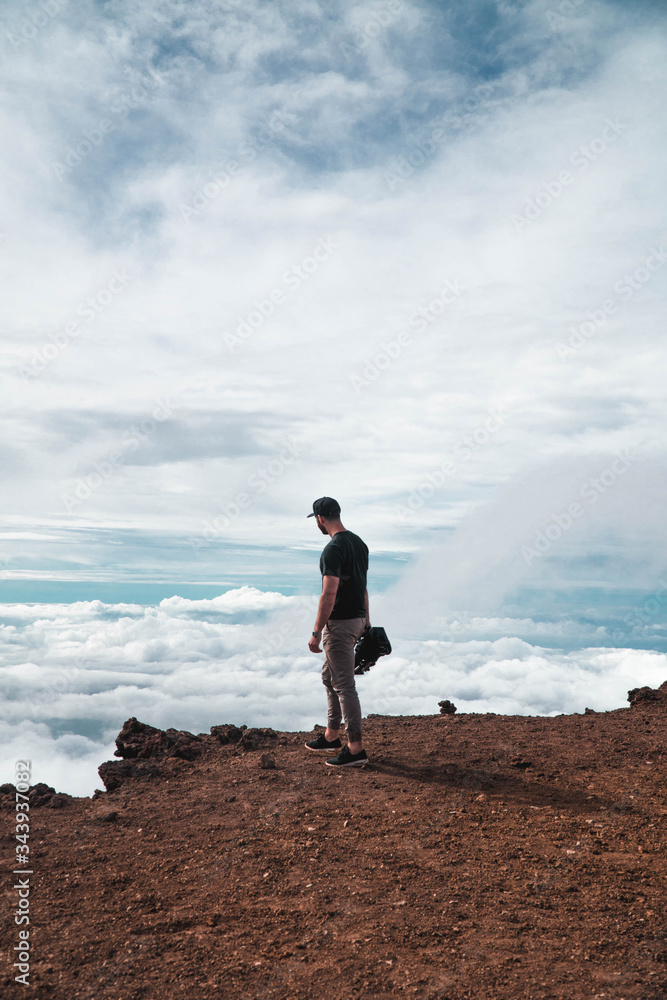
[(72, 674)]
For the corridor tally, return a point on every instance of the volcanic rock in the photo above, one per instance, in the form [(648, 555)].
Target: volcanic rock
[(638, 695), (44, 795), (447, 707), (254, 739), (115, 772), (137, 740), (228, 733)]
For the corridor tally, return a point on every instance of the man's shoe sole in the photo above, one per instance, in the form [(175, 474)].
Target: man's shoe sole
[(321, 749), (350, 763)]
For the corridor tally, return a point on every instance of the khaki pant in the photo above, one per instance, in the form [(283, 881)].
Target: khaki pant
[(338, 641)]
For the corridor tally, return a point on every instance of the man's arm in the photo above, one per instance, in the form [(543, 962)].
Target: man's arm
[(325, 607), (368, 614)]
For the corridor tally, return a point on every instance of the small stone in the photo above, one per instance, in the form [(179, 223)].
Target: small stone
[(447, 707)]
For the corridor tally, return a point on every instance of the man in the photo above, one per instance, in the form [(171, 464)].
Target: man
[(342, 616)]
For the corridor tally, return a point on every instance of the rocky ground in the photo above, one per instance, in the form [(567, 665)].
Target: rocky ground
[(476, 856)]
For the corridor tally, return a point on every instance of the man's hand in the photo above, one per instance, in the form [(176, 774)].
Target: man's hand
[(314, 643)]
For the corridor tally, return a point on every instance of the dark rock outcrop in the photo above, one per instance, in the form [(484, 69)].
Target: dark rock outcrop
[(38, 795), (182, 744), (256, 739), (247, 739), (643, 694), (637, 696), (228, 733), (447, 707), (137, 743), (115, 772), (137, 740)]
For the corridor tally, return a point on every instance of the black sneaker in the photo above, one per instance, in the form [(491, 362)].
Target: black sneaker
[(347, 759), (321, 744)]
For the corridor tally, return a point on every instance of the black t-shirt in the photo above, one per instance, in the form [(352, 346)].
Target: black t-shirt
[(346, 556)]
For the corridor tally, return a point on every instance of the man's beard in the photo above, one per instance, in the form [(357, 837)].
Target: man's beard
[(322, 529)]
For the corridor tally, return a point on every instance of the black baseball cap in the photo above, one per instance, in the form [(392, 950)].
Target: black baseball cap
[(325, 507)]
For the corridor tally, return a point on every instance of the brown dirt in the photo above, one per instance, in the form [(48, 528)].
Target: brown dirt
[(477, 856)]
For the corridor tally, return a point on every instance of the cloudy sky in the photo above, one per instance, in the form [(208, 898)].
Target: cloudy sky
[(410, 254)]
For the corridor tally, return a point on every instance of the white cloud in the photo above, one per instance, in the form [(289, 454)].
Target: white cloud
[(243, 599)]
